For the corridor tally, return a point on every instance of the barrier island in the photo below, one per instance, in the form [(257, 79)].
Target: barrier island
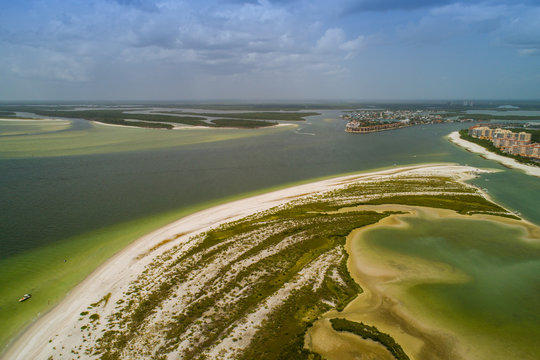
[(264, 277)]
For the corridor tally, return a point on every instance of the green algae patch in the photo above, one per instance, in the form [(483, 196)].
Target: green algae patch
[(48, 273), (9, 128)]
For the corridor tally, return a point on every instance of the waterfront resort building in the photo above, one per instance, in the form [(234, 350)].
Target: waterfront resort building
[(508, 141)]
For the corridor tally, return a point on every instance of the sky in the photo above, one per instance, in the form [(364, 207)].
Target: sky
[(269, 50)]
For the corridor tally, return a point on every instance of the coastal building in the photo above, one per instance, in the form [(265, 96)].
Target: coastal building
[(502, 134), (355, 127), (523, 136), (369, 120), (508, 141), (481, 132)]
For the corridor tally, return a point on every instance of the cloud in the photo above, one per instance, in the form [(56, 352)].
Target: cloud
[(529, 52), (523, 32), (335, 40), (457, 20), (176, 41), (43, 64), (356, 6)]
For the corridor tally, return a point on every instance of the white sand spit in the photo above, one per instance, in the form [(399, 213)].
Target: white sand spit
[(506, 161)]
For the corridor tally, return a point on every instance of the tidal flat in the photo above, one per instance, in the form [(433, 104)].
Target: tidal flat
[(448, 286)]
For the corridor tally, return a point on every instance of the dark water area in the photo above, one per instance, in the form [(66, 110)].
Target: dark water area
[(48, 199)]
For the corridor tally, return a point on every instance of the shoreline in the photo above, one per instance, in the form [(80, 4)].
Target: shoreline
[(503, 160), (117, 272), (191, 127)]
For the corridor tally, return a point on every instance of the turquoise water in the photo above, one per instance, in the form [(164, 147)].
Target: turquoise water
[(502, 298)]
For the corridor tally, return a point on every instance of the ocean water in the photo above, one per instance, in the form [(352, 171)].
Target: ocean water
[(48, 199), (82, 206)]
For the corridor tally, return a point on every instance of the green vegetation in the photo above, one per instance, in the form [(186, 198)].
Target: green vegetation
[(372, 333), (142, 124), (242, 123), (120, 117), (319, 234), (464, 134), (261, 107), (453, 113), (283, 116), (287, 264), (129, 118), (462, 204), (104, 300)]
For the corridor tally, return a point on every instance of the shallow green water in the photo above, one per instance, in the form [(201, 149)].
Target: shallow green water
[(74, 190), (500, 306)]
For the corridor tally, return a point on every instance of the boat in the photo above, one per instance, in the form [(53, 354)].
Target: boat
[(25, 297)]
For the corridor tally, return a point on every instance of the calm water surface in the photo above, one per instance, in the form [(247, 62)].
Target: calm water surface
[(500, 300), (47, 199)]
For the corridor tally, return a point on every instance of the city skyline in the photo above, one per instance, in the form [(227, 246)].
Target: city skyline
[(269, 50)]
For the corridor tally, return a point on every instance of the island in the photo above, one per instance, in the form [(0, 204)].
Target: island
[(287, 274), (373, 120), (162, 117)]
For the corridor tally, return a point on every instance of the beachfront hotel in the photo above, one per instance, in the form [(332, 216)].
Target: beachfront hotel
[(508, 141)]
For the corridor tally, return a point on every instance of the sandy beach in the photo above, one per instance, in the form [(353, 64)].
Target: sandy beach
[(506, 161), (116, 274)]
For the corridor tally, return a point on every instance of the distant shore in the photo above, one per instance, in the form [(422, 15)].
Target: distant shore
[(503, 160)]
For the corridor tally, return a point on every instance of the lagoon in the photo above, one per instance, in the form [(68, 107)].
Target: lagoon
[(478, 285)]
